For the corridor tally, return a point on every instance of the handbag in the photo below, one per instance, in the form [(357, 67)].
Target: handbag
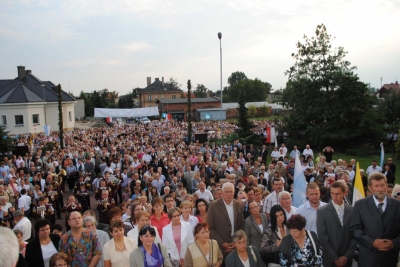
[(272, 257)]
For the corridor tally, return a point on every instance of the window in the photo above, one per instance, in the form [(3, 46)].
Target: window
[(3, 120), (148, 97), (173, 96), (70, 115), (19, 120), (35, 118)]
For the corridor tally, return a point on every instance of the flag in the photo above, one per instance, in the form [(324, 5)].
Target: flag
[(46, 130), (358, 191), (382, 155), (299, 185)]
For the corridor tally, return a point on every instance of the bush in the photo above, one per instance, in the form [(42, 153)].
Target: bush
[(252, 111)]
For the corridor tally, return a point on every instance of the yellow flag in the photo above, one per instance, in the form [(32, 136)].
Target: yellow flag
[(358, 192)]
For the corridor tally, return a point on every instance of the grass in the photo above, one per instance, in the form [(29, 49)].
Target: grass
[(365, 162)]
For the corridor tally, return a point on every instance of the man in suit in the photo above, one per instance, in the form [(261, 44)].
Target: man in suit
[(333, 223), (225, 217), (375, 225), (264, 153)]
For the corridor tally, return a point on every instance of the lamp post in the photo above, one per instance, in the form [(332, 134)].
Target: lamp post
[(220, 59)]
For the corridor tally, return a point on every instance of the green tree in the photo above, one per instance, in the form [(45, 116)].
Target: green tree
[(256, 90), (389, 107), (6, 143), (328, 103), (236, 77), (173, 82), (243, 123), (189, 86), (88, 104), (201, 91)]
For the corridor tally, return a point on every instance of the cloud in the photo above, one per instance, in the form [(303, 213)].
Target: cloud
[(135, 46)]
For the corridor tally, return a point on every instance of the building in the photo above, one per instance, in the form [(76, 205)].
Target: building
[(148, 96), (28, 103), (178, 108), (386, 88)]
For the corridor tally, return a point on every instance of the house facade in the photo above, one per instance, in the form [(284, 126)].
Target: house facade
[(386, 88), (28, 103), (157, 90)]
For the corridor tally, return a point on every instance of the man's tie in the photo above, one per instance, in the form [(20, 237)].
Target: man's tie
[(380, 208), (340, 214)]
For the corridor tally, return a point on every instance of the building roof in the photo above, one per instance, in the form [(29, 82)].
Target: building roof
[(210, 109), (184, 100), (29, 89), (257, 104), (395, 86), (158, 86)]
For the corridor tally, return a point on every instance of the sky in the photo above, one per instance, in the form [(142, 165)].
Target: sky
[(88, 45)]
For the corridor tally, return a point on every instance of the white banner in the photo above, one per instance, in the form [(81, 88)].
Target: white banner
[(118, 112), (46, 129)]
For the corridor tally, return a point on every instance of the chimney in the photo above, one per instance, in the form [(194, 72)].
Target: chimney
[(162, 81), (28, 71), (148, 81), (208, 94), (157, 80), (21, 72)]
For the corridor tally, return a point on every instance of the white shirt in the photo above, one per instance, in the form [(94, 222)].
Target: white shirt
[(192, 220), (7, 206), (24, 202), (231, 214), (310, 214), (371, 169), (25, 226), (206, 195), (377, 203), (307, 152), (293, 211), (48, 251), (270, 201)]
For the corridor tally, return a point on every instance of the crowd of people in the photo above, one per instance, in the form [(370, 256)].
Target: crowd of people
[(142, 195)]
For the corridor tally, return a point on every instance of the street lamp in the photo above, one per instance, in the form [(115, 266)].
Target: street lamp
[(220, 59)]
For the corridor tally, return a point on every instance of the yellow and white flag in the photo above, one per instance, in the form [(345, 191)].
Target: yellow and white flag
[(358, 192)]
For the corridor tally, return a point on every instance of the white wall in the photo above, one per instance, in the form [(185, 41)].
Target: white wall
[(28, 109)]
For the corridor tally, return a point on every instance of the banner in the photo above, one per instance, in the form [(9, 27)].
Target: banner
[(118, 112), (299, 185), (46, 129), (268, 131), (358, 191)]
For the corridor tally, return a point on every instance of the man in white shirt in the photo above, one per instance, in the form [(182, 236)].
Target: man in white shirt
[(22, 223), (204, 193), (24, 203), (308, 152), (285, 200), (3, 202), (373, 168), (272, 199), (309, 209)]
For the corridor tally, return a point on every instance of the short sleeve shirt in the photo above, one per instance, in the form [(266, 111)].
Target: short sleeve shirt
[(82, 252)]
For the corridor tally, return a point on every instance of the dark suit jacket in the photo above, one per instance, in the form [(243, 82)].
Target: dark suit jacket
[(33, 256), (336, 240), (389, 176), (253, 232), (367, 225), (264, 154), (220, 225), (233, 258)]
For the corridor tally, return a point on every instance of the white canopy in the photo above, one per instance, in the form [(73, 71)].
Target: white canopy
[(119, 112)]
